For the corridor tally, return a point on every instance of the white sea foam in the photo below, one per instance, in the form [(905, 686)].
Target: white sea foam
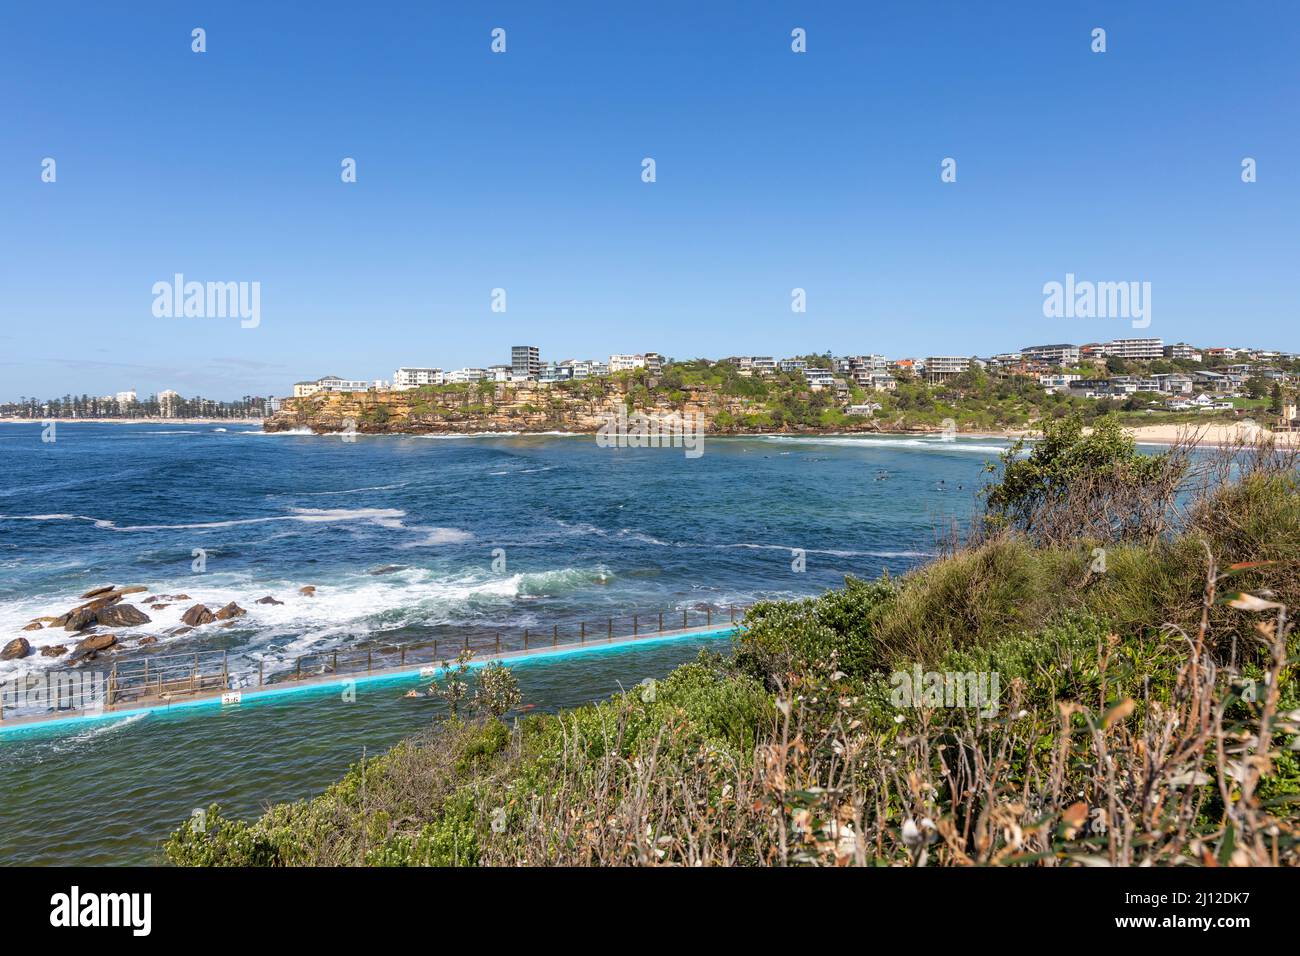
[(358, 605), (383, 517)]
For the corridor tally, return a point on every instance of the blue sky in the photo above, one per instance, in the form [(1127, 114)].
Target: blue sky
[(522, 171)]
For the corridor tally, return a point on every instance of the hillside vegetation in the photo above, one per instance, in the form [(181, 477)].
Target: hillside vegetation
[(1147, 710)]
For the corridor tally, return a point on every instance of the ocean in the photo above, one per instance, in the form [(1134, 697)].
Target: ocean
[(404, 539)]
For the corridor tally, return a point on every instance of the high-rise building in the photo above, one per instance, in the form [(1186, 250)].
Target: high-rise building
[(525, 361)]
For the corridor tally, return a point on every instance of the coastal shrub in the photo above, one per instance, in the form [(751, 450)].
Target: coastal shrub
[(784, 637), (1072, 485)]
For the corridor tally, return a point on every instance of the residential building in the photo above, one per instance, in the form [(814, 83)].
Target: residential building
[(408, 378), (169, 399), (332, 383), (625, 363), (125, 398), (269, 407), (654, 363), (525, 361), (1058, 381), (882, 382), (792, 365), (819, 378), (1183, 351), (303, 389), (1137, 350), (940, 368), (462, 376), (1052, 355)]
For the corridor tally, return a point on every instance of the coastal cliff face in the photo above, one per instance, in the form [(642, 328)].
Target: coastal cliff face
[(580, 406)]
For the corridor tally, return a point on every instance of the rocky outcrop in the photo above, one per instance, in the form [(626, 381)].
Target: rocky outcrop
[(231, 610), (80, 619), (89, 648), (17, 648), (34, 626), (54, 650), (268, 600), (308, 591), (121, 615), (197, 615)]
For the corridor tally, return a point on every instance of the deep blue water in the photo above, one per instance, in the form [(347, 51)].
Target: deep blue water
[(587, 533)]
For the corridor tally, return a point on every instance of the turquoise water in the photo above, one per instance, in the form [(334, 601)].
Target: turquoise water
[(400, 536)]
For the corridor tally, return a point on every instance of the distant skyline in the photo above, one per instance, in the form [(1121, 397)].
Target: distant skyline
[(522, 171)]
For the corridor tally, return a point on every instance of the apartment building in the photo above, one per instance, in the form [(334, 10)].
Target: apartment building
[(1141, 350), (1064, 355), (463, 376), (408, 378), (525, 361), (792, 365), (654, 363), (940, 368), (303, 389), (1183, 351)]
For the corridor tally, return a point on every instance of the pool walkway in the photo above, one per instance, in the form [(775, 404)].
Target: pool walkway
[(154, 684)]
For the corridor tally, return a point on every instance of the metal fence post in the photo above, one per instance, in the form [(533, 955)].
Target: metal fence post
[(661, 621), (582, 632), (525, 638), (635, 626)]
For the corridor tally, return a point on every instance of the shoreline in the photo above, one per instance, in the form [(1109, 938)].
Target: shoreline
[(1210, 435)]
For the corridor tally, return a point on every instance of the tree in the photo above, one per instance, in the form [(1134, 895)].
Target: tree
[(498, 690), (1072, 486), (454, 688)]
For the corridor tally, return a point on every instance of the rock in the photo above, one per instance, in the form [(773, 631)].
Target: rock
[(180, 597), (230, 610), (133, 589), (121, 615), (45, 620), (108, 600), (268, 600), (96, 591), (59, 621), (18, 647), (198, 614), (88, 648), (180, 630), (387, 569), (34, 626), (309, 590), (54, 650), (147, 639), (158, 607), (80, 619)]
